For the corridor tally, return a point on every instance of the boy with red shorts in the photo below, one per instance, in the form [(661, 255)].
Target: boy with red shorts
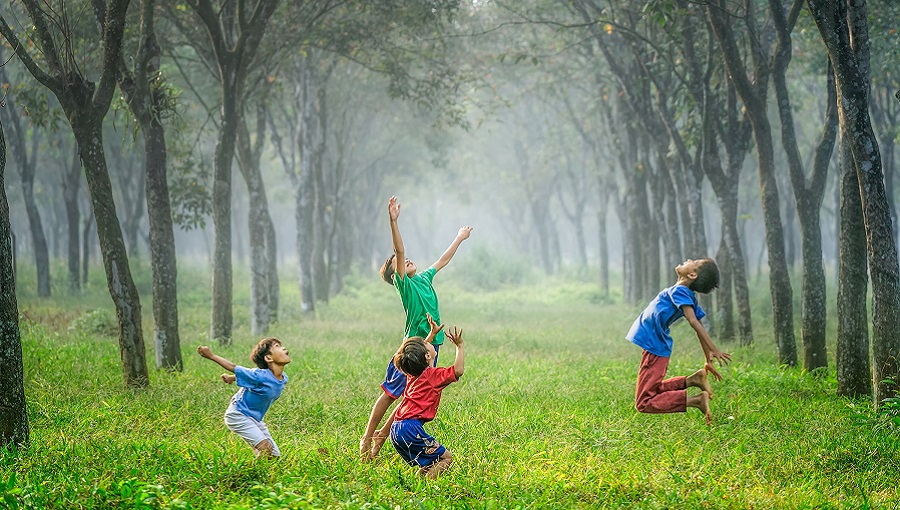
[(650, 331)]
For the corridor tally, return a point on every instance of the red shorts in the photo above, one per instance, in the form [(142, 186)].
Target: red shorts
[(655, 395)]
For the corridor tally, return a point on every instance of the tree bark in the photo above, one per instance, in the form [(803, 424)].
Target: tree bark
[(754, 101), (262, 248), (852, 351), (26, 160), (13, 416), (71, 186), (85, 104), (844, 30), (808, 195)]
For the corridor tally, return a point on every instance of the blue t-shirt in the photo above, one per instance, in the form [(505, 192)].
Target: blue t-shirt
[(650, 331), (259, 388)]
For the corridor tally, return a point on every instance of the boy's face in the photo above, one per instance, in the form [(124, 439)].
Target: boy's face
[(410, 268), (688, 268), (430, 354), (279, 355)]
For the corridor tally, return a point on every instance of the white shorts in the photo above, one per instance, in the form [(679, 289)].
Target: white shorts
[(250, 430)]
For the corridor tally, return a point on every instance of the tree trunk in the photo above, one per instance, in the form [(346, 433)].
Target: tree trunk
[(259, 223), (89, 136), (162, 250), (13, 416), (852, 351), (724, 301), (222, 284), (844, 30), (603, 249), (71, 186), (808, 195), (26, 161), (86, 238), (779, 277)]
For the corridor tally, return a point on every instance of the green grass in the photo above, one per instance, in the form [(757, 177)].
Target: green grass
[(543, 418)]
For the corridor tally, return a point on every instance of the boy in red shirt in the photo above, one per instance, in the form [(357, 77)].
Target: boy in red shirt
[(421, 398)]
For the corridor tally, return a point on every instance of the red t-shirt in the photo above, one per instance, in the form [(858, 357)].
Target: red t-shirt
[(423, 394)]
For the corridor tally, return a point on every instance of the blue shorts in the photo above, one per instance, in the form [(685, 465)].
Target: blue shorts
[(416, 447), (395, 380)]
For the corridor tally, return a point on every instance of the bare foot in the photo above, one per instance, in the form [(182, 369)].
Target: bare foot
[(703, 406), (378, 440), (699, 379), (365, 448)]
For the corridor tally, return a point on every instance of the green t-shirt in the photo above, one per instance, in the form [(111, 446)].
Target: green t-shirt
[(418, 298)]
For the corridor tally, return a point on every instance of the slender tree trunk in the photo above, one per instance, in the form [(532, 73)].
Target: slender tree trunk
[(779, 277), (603, 249), (852, 353), (724, 301), (808, 196), (13, 416), (844, 29), (115, 260), (86, 238), (72, 181), (222, 284), (162, 250)]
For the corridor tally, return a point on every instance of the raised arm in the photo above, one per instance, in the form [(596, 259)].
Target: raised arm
[(459, 364), (207, 353), (435, 329), (399, 255), (448, 254), (710, 351)]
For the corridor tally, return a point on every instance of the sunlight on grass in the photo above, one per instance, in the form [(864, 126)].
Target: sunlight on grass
[(543, 417)]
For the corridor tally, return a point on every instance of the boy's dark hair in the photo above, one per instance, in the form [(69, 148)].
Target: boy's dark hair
[(410, 358), (707, 277), (387, 270), (261, 350)]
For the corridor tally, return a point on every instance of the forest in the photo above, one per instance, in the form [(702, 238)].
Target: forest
[(187, 173)]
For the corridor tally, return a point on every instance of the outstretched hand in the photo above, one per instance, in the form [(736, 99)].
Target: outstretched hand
[(394, 209), (204, 351), (711, 370), (455, 336), (435, 327), (464, 232)]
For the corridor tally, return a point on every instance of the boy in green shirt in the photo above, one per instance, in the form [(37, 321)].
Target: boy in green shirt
[(419, 300)]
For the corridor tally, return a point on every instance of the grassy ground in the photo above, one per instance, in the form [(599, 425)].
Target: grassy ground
[(543, 417)]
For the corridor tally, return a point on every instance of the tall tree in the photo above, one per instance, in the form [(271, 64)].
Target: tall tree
[(149, 98), (843, 26), (235, 30), (752, 91), (852, 358), (85, 104), (13, 416), (26, 161), (808, 193)]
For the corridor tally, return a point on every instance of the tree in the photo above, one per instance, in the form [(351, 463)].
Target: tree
[(844, 29), (13, 416), (149, 98), (235, 30), (85, 104), (752, 92), (26, 160), (808, 193)]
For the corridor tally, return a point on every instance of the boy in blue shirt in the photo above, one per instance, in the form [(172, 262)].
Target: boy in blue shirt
[(419, 300), (650, 331), (259, 388)]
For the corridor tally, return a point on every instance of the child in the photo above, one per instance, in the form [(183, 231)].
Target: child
[(419, 299), (259, 388), (650, 331), (421, 398)]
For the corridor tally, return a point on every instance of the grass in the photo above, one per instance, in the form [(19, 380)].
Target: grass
[(543, 418)]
